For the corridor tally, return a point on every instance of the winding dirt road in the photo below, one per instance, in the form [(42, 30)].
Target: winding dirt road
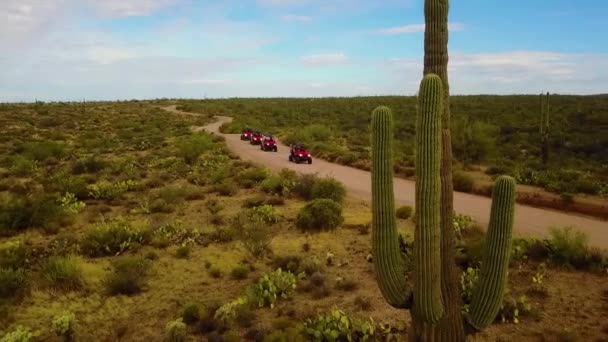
[(529, 221)]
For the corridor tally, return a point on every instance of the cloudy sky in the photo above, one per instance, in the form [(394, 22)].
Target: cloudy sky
[(124, 49)]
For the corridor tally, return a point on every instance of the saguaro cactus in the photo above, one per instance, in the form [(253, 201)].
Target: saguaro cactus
[(544, 128), (427, 298)]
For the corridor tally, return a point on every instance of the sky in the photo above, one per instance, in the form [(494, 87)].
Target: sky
[(72, 50)]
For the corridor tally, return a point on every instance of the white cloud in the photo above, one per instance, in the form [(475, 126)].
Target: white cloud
[(512, 72), (128, 8), (325, 59), (292, 17), (416, 28)]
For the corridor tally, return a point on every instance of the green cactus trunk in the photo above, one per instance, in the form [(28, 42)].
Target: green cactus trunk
[(428, 304), (544, 128), (388, 262), (488, 295)]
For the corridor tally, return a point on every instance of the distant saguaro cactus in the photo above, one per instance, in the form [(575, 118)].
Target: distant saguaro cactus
[(425, 298), (544, 127)]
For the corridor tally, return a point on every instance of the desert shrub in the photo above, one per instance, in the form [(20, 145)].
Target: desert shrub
[(290, 263), (213, 205), (128, 275), (255, 201), (70, 204), (363, 303), (23, 167), (468, 281), (110, 239), (90, 164), (239, 272), (513, 308), (272, 286), (64, 325), (176, 331), (14, 255), (462, 182), (275, 185), (215, 271), (337, 326), (473, 141), (404, 212), (12, 281), (328, 188), (63, 273), (191, 147), (18, 213), (226, 188), (191, 313), (320, 214), (110, 191), (44, 150), (244, 317), (20, 334), (304, 185), (62, 183), (569, 248), (254, 175), (346, 285), (462, 224), (254, 229), (266, 213), (183, 252)]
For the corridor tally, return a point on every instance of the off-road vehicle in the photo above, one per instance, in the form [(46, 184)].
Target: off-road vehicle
[(268, 143), (246, 133), (298, 154), (256, 138)]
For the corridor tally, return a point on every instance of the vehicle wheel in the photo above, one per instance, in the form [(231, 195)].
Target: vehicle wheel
[(275, 149), (309, 160), (290, 159)]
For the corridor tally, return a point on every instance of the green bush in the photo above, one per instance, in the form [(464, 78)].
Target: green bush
[(266, 213), (304, 185), (128, 275), (191, 313), (176, 331), (328, 188), (570, 248), (20, 334), (110, 239), (63, 273), (253, 231), (90, 164), (215, 271), (404, 212), (191, 147), (11, 282), (64, 325), (462, 182), (44, 150), (320, 214), (18, 213), (14, 255), (239, 272)]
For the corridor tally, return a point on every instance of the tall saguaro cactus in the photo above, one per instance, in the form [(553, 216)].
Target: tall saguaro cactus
[(436, 36), (544, 128), (426, 298)]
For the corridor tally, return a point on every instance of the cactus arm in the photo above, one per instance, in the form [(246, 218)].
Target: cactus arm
[(388, 262), (488, 295), (427, 238)]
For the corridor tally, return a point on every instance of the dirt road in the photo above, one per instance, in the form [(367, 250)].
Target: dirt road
[(529, 221)]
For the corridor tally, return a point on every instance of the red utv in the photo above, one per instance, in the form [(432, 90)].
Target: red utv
[(268, 143), (246, 134), (256, 138), (299, 154)]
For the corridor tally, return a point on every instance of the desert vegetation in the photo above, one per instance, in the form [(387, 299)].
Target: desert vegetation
[(143, 229)]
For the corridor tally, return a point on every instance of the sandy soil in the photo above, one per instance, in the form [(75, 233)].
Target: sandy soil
[(529, 221)]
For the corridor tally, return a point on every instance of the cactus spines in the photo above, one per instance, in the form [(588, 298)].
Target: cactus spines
[(544, 127), (487, 298), (388, 262), (427, 258)]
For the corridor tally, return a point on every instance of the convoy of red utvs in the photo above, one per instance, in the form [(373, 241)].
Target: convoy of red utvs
[(297, 153)]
